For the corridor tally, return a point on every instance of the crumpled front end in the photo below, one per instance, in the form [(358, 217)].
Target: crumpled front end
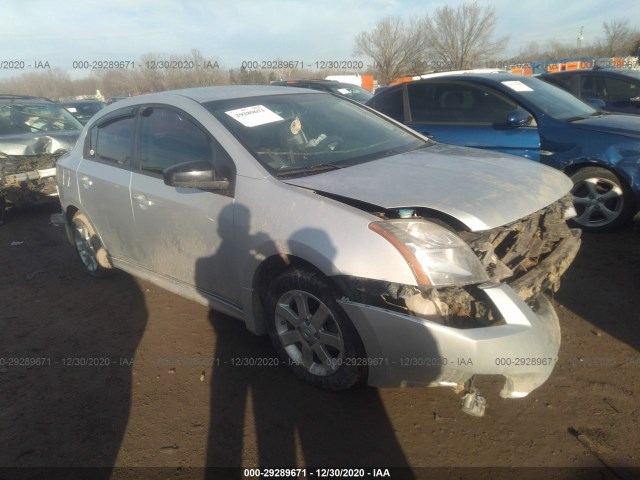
[(418, 336), (27, 179)]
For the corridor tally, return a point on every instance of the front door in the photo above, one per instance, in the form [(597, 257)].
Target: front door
[(468, 115), (178, 228)]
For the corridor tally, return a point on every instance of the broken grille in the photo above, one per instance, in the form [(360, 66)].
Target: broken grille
[(510, 251)]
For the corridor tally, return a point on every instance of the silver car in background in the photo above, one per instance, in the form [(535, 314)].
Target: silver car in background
[(365, 251), (34, 132)]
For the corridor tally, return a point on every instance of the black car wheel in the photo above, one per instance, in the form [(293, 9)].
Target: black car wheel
[(311, 333)]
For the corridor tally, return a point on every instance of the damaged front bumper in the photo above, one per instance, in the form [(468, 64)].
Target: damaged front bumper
[(27, 179), (404, 350)]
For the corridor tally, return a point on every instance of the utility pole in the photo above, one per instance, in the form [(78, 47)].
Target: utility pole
[(580, 38)]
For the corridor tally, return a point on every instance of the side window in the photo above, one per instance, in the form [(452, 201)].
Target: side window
[(571, 83), (592, 87), (464, 104), (619, 90), (168, 138), (491, 108), (391, 105), (423, 103), (112, 141)]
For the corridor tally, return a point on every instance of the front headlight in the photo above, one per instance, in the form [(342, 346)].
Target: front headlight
[(437, 256)]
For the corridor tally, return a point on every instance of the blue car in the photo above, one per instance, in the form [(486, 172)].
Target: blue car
[(525, 116), (618, 88)]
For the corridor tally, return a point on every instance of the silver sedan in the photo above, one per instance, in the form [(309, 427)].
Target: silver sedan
[(365, 250)]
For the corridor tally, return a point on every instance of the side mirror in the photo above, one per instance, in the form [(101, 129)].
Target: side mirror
[(199, 175), (519, 118), (596, 102)]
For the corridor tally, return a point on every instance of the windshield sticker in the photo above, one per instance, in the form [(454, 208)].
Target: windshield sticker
[(72, 109), (254, 116), (344, 91), (518, 86)]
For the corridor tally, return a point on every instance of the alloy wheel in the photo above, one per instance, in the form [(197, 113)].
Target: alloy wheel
[(309, 333)]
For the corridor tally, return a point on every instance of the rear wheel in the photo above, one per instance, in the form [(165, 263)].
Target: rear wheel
[(311, 333), (602, 200), (92, 254)]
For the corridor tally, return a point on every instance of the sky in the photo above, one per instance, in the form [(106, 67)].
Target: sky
[(37, 33)]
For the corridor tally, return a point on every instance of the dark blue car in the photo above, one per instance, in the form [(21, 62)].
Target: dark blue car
[(525, 116), (618, 88)]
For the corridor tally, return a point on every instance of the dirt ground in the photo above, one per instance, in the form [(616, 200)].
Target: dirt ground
[(118, 373)]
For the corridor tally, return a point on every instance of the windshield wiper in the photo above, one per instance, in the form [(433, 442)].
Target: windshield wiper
[(320, 167), (574, 119)]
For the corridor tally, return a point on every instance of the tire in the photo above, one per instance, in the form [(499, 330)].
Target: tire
[(312, 334), (602, 201), (93, 256)]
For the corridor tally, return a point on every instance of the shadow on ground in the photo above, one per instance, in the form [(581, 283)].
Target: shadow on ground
[(77, 375), (603, 284)]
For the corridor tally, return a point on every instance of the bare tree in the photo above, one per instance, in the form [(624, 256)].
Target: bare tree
[(635, 47), (462, 37), (531, 51), (247, 77), (396, 47), (619, 37)]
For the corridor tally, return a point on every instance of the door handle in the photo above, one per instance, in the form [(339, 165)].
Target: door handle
[(141, 199)]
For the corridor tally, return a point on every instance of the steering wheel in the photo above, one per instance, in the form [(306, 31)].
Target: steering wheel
[(329, 143)]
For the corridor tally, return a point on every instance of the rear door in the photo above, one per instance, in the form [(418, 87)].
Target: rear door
[(104, 175)]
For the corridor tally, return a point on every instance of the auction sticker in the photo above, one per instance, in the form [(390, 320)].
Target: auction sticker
[(254, 116), (518, 86)]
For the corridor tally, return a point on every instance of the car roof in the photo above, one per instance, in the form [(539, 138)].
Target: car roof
[(482, 77), (210, 94), (498, 76), (307, 80), (594, 71), (474, 71), (84, 100), (24, 98)]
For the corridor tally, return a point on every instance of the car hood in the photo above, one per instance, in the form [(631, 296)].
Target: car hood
[(481, 189), (617, 123), (38, 144)]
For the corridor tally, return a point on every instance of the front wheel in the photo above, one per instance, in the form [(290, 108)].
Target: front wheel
[(602, 201), (312, 334)]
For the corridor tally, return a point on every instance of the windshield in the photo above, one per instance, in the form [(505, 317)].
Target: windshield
[(302, 134), (354, 92), (18, 118), (552, 100)]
